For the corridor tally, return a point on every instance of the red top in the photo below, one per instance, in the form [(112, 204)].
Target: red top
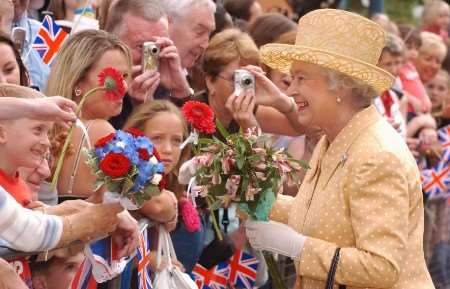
[(438, 31), (387, 102), (413, 85), (16, 187)]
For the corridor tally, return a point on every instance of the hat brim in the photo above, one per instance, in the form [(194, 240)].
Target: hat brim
[(281, 57)]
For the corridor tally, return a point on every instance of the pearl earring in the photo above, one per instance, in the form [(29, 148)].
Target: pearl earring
[(338, 99), (77, 91)]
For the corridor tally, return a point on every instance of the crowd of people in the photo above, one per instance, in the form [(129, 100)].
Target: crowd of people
[(366, 102)]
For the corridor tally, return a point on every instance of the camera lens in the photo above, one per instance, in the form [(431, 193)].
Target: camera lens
[(155, 50), (247, 81)]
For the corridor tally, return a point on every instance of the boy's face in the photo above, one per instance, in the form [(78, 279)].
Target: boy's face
[(390, 62), (24, 142)]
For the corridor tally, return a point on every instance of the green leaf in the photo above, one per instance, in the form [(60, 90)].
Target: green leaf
[(152, 191), (240, 162), (98, 184), (112, 186), (225, 134), (216, 205), (127, 185)]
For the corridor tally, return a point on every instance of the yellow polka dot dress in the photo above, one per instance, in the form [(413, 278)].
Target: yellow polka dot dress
[(362, 194)]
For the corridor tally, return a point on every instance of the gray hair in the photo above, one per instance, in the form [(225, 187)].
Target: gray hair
[(361, 93), (394, 44), (177, 8), (150, 10), (431, 11)]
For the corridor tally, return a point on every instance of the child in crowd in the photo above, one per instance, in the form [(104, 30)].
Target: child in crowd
[(23, 143), (438, 90), (414, 90), (164, 124), (436, 18), (388, 103), (57, 273)]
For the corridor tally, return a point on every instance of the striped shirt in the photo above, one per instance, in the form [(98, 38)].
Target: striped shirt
[(27, 230)]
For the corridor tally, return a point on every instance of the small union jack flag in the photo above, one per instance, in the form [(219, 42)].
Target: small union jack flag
[(49, 39), (83, 278), (103, 255), (143, 255), (436, 181), (444, 139), (243, 268), (214, 278)]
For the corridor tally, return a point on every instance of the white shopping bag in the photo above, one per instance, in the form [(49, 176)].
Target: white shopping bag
[(170, 277)]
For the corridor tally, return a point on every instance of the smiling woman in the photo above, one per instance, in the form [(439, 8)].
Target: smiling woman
[(85, 55), (12, 69), (338, 229)]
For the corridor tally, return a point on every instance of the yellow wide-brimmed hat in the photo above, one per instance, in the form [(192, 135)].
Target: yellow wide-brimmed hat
[(338, 40)]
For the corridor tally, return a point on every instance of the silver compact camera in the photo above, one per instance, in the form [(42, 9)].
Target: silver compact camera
[(150, 56), (243, 80)]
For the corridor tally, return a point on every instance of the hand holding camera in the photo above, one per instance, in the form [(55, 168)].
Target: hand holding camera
[(144, 84), (173, 76)]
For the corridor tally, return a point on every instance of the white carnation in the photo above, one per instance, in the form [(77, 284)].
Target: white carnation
[(156, 179)]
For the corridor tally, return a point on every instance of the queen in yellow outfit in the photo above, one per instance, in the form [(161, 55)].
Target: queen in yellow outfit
[(363, 191)]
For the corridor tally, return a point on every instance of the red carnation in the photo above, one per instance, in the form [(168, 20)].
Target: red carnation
[(104, 140), (162, 183), (200, 116), (134, 132), (156, 154), (113, 82), (115, 165), (143, 154)]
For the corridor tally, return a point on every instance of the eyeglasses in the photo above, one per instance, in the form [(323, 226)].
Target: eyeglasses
[(229, 79)]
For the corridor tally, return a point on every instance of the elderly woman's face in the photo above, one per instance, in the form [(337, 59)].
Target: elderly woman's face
[(311, 92), (428, 64)]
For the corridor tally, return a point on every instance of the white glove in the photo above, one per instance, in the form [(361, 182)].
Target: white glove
[(187, 171), (275, 237)]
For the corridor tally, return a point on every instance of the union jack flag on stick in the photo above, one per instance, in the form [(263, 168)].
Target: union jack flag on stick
[(83, 278), (49, 39), (436, 181), (143, 255), (214, 278), (243, 268)]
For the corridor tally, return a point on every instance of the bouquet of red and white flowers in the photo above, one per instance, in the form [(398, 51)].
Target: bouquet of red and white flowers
[(127, 163)]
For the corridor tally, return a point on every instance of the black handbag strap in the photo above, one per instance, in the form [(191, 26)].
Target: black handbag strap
[(332, 272)]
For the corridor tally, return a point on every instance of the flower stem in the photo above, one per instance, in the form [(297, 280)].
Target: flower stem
[(214, 221), (273, 271), (68, 138)]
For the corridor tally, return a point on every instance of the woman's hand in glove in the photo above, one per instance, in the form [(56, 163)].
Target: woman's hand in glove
[(275, 237)]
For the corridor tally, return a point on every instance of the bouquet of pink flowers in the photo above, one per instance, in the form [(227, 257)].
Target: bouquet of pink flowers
[(243, 169)]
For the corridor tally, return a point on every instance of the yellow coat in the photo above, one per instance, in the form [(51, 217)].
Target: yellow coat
[(363, 194)]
